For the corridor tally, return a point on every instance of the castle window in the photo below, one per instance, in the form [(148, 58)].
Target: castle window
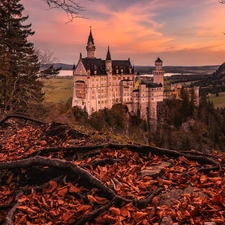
[(80, 89)]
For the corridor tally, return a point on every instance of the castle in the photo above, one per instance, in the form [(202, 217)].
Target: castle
[(100, 84)]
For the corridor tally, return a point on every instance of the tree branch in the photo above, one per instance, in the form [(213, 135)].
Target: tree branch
[(71, 8)]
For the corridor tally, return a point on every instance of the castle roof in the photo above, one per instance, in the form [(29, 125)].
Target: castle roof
[(97, 64), (158, 60)]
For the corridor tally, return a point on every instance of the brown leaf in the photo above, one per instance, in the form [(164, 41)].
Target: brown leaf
[(62, 191), (83, 208), (9, 178), (52, 186), (114, 210), (91, 198), (100, 200), (26, 208), (203, 179), (139, 216)]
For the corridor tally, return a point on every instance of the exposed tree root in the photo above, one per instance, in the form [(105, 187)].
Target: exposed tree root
[(93, 214), (20, 117), (201, 158), (10, 215), (144, 202), (38, 160)]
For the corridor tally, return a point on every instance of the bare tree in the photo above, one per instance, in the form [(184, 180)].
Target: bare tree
[(222, 1), (46, 60), (71, 7)]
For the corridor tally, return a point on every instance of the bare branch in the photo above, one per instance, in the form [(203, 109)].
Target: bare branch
[(222, 1), (71, 8)]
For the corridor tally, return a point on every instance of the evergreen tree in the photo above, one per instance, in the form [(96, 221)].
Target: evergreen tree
[(19, 67)]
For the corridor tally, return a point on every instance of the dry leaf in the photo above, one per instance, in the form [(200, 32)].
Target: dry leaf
[(139, 216)]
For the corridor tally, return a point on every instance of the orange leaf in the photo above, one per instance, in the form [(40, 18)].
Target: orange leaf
[(62, 191), (124, 212), (9, 178), (139, 216), (53, 185), (100, 200), (110, 219), (218, 200), (84, 208), (114, 210), (203, 179), (91, 198), (73, 189), (26, 208), (22, 220)]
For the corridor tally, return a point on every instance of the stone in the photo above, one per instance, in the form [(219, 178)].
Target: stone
[(154, 170)]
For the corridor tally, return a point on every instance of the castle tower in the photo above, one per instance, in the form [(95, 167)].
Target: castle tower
[(90, 46), (158, 73), (108, 62)]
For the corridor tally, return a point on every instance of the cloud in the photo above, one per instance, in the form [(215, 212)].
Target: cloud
[(133, 28)]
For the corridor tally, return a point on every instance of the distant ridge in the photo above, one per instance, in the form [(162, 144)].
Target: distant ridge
[(63, 66), (168, 69)]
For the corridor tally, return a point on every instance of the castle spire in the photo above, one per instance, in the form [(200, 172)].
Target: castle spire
[(108, 56), (90, 46), (90, 38)]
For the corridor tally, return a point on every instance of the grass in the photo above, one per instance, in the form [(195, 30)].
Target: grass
[(219, 102), (58, 89)]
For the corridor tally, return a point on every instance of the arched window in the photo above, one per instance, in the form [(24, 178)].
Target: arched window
[(80, 89)]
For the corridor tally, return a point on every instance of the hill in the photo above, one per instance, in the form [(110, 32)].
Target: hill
[(51, 170), (168, 69)]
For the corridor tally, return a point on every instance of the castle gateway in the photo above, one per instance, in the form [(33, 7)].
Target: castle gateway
[(100, 84)]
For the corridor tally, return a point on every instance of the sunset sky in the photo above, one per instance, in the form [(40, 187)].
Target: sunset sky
[(180, 32)]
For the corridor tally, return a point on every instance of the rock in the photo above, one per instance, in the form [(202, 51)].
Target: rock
[(167, 220), (154, 170)]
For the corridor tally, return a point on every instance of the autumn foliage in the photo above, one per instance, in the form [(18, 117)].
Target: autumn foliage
[(46, 180)]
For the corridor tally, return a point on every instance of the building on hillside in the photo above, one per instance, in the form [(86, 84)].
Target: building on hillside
[(101, 83), (176, 91)]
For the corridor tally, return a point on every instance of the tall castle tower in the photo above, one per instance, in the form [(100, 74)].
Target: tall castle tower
[(90, 46), (108, 62), (158, 73)]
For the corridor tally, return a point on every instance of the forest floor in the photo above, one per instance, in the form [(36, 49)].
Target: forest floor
[(52, 174)]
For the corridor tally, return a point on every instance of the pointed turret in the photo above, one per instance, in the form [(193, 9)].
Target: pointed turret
[(108, 62), (108, 56), (90, 38), (90, 46)]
